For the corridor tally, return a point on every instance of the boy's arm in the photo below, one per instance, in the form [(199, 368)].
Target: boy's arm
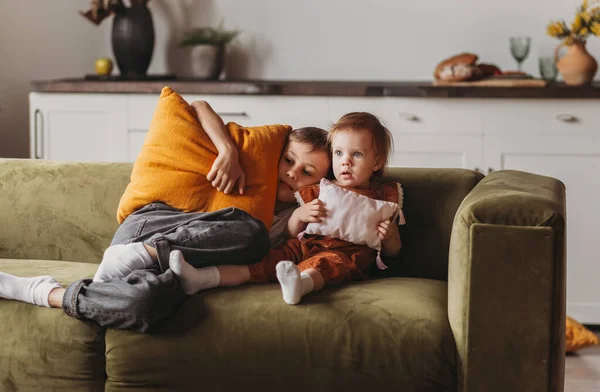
[(226, 169)]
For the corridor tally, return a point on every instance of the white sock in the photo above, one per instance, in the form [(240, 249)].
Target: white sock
[(294, 284), (193, 279), (32, 290), (120, 260)]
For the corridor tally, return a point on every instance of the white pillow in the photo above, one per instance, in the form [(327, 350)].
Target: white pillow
[(352, 217)]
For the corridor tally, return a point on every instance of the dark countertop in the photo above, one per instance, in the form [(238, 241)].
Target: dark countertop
[(314, 88)]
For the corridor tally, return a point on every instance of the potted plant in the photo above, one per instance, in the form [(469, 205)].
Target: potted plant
[(207, 49), (132, 32), (577, 67)]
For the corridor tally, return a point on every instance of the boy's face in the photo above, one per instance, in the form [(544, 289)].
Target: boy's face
[(298, 167), (354, 158)]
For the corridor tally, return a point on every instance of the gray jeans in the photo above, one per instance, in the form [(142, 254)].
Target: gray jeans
[(145, 297)]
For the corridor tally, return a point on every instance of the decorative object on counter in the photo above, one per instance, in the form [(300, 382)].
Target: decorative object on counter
[(548, 69), (519, 49), (132, 33), (208, 46), (577, 67), (103, 66), (463, 70)]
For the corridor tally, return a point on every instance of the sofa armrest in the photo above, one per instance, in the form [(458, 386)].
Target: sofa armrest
[(506, 284)]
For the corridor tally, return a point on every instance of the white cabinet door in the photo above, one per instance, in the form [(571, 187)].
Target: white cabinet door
[(437, 151), (574, 160), (433, 133), (78, 127)]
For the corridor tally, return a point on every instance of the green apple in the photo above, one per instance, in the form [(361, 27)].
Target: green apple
[(103, 66)]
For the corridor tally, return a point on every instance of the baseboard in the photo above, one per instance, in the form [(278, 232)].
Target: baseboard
[(585, 313)]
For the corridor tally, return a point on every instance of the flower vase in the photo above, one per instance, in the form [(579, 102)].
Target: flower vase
[(577, 67), (133, 40)]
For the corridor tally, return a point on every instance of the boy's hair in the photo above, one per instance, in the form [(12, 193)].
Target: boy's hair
[(382, 137), (312, 136)]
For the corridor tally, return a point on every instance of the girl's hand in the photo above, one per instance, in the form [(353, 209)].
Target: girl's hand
[(225, 172), (311, 212), (383, 230), (390, 238)]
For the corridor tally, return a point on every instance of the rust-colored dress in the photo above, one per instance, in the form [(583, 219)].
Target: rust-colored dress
[(337, 260)]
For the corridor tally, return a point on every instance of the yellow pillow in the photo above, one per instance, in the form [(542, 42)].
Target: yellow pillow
[(578, 336), (177, 155)]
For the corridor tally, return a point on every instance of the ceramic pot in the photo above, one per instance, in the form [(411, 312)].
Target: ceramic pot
[(577, 67), (207, 61)]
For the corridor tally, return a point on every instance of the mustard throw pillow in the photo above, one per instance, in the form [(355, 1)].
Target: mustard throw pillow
[(177, 155), (578, 336)]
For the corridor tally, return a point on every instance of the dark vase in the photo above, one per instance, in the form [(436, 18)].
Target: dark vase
[(133, 40)]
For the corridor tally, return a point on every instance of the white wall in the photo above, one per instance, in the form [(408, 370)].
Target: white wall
[(281, 39), (362, 40), (40, 40)]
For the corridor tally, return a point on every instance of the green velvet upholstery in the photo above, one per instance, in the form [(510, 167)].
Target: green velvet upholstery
[(475, 302), (60, 210), (431, 198), (506, 297), (365, 336), (43, 349)]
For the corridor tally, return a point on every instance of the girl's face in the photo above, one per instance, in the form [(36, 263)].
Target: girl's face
[(298, 167), (354, 158)]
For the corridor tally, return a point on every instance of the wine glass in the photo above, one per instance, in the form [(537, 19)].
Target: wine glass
[(519, 48)]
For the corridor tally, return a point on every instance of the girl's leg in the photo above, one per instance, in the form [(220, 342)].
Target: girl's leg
[(296, 284), (312, 274)]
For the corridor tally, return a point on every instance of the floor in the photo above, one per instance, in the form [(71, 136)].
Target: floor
[(583, 370)]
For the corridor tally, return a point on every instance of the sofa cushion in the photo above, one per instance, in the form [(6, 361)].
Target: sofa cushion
[(371, 335), (44, 347)]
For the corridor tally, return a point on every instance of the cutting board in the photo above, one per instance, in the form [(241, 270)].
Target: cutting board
[(495, 83)]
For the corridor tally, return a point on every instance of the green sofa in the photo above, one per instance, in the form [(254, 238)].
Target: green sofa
[(475, 302)]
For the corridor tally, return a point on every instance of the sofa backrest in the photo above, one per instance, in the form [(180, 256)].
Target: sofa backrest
[(431, 199), (67, 211), (59, 210)]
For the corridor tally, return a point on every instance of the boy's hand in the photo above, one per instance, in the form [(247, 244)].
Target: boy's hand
[(225, 172), (311, 212)]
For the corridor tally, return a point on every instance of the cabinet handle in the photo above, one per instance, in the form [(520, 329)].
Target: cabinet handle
[(35, 134), (490, 170), (409, 117), (568, 118), (233, 114), (478, 170)]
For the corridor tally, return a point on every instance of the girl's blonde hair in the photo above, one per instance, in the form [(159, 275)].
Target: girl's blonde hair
[(358, 121)]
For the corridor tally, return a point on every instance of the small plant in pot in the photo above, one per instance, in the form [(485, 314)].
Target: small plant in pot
[(207, 50)]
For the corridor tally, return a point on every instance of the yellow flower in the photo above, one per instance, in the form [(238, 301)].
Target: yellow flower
[(584, 31), (584, 5), (568, 41), (555, 29), (586, 17), (596, 29), (577, 24)]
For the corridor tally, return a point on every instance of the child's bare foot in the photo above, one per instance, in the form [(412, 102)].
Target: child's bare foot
[(192, 279)]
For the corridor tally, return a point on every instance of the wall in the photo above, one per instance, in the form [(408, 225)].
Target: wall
[(361, 40), (281, 39), (40, 40)]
